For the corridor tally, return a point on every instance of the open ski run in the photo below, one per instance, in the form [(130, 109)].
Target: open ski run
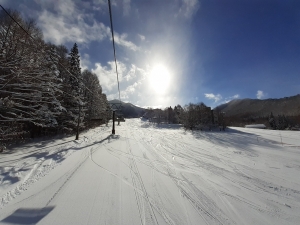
[(154, 174)]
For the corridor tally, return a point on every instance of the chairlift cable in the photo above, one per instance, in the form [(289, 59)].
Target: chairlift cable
[(113, 41)]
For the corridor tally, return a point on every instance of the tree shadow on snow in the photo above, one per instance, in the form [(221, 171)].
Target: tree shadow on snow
[(10, 174), (27, 215), (231, 138), (40, 146)]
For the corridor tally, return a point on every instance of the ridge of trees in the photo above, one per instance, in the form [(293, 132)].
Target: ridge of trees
[(191, 116), (42, 88)]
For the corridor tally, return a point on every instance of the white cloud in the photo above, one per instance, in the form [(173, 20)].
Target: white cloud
[(61, 29), (65, 8), (130, 90), (85, 62), (214, 97), (142, 37), (260, 94), (97, 8), (228, 99), (131, 73), (189, 8), (68, 24), (107, 75), (131, 79), (126, 7), (112, 96), (121, 40), (100, 2)]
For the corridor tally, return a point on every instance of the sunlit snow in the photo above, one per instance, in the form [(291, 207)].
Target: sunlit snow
[(154, 174)]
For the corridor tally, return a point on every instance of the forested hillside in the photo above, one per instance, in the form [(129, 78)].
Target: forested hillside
[(257, 107), (42, 88), (129, 110), (245, 111)]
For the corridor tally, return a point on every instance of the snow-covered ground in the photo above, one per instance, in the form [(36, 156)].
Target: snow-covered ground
[(147, 174)]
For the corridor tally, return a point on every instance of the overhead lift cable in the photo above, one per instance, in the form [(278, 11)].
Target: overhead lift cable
[(114, 48), (113, 41)]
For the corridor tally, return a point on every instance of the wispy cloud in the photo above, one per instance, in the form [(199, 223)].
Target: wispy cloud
[(63, 26), (85, 62), (121, 40), (129, 90), (260, 94), (126, 7), (228, 99), (131, 77), (142, 37), (66, 23), (189, 8), (214, 97), (100, 2), (131, 73), (107, 75)]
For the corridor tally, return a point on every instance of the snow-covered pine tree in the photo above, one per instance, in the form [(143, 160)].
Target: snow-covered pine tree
[(95, 104), (51, 88), (75, 92), (63, 66), (107, 114), (29, 78), (178, 113), (282, 122), (285, 122), (272, 121)]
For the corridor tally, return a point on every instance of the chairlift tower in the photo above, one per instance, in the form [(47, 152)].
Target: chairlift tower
[(115, 107)]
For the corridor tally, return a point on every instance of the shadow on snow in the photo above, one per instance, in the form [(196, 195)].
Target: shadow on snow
[(27, 215)]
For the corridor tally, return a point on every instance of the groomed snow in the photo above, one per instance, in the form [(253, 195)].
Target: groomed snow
[(149, 174)]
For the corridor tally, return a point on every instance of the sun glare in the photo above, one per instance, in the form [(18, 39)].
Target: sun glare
[(160, 79)]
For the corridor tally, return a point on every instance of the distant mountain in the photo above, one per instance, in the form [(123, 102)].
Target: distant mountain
[(129, 110), (289, 106)]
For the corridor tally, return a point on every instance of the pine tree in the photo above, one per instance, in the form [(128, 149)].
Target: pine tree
[(282, 122), (64, 98), (285, 122), (28, 80), (272, 121), (75, 92), (51, 88), (37, 92), (95, 100)]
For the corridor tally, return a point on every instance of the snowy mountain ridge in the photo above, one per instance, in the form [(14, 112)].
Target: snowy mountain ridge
[(128, 109), (256, 107)]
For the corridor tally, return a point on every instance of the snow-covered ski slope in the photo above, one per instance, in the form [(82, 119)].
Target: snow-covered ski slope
[(148, 174)]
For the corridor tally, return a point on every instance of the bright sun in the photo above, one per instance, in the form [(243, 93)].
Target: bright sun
[(160, 79)]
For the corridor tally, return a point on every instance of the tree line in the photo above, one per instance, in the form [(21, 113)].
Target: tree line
[(191, 116), (271, 121), (282, 122), (199, 116), (42, 88)]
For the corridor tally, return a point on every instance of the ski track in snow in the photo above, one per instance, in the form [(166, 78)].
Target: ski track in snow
[(37, 163), (156, 174)]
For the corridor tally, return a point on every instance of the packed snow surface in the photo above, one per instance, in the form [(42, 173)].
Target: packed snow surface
[(154, 174)]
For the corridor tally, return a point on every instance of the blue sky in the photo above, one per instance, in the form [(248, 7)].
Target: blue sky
[(212, 51)]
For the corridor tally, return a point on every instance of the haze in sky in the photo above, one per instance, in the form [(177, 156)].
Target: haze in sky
[(179, 51)]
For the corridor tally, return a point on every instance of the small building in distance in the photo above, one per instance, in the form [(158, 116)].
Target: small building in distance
[(257, 126)]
